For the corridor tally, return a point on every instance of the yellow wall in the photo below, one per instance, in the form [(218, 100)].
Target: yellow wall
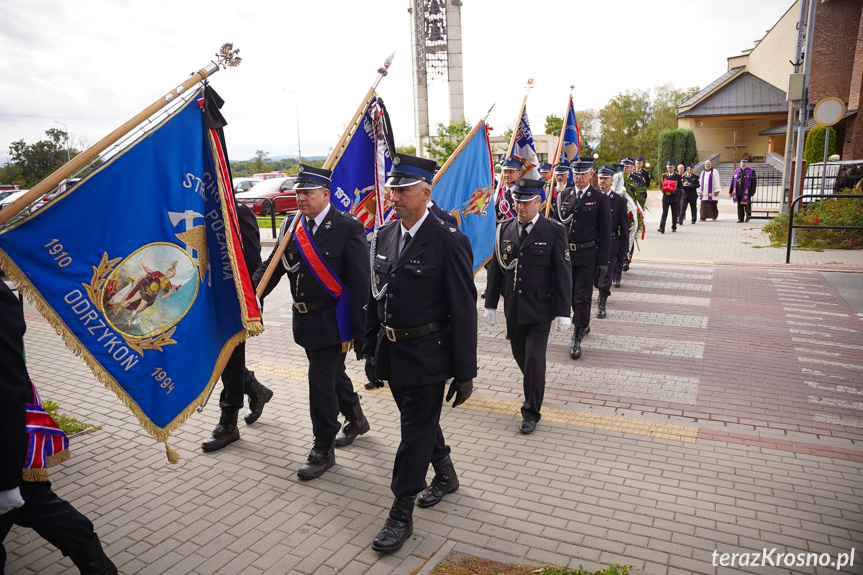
[(770, 59), (713, 134)]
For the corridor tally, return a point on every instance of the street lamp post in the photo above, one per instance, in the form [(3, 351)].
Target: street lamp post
[(66, 132), (297, 109)]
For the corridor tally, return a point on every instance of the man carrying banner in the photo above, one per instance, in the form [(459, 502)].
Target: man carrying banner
[(503, 208), (421, 331), (586, 213), (327, 265), (619, 235), (236, 379), (33, 441), (561, 183), (532, 271)]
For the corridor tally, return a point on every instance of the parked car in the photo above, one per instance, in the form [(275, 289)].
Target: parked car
[(6, 192), (6, 199), (279, 190), (243, 184), (853, 173), (62, 187)]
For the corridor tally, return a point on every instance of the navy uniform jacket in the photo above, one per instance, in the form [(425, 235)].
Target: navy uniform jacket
[(543, 274), (14, 389), (675, 195), (690, 185), (644, 175), (431, 281), (591, 222), (443, 215), (341, 241), (251, 237), (619, 226)]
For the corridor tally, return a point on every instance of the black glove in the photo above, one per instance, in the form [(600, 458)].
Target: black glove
[(358, 348), (461, 388), (600, 272), (370, 368)]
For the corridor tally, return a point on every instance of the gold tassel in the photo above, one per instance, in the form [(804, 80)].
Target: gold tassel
[(347, 346), (173, 456)]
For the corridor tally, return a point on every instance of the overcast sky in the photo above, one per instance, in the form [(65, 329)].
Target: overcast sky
[(94, 64)]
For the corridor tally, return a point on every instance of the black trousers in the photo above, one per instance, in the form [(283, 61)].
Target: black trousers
[(692, 202), (421, 437), (744, 211), (330, 390), (672, 202), (529, 343), (582, 294), (235, 379), (53, 518)]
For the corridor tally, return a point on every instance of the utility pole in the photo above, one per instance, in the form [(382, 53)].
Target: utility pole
[(66, 132)]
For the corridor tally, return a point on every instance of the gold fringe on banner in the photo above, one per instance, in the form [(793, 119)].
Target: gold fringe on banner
[(41, 473)]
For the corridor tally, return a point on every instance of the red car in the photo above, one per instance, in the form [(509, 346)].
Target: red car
[(275, 192)]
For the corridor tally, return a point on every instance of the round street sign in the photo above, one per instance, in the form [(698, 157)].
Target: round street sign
[(829, 111)]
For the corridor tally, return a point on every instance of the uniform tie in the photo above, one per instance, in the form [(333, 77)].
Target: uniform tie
[(523, 235), (310, 223), (406, 242)]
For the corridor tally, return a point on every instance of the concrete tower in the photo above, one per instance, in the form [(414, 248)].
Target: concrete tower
[(436, 42)]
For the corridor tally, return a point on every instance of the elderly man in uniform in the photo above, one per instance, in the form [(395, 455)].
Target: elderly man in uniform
[(586, 213), (531, 269), (421, 331), (710, 187), (619, 235), (236, 378), (327, 267), (688, 195), (743, 185), (561, 184), (671, 184)]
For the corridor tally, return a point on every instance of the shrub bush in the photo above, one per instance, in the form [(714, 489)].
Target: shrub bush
[(829, 212)]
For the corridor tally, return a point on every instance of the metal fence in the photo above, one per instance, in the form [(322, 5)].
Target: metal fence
[(792, 226), (770, 197)]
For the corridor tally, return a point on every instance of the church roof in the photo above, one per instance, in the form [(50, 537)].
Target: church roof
[(744, 95)]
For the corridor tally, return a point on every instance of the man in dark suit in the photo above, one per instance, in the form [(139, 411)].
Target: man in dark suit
[(619, 235), (640, 177), (531, 269), (586, 213), (688, 195), (26, 499), (236, 379), (671, 186), (421, 331), (327, 265)]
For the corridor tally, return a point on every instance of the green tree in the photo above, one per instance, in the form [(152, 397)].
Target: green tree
[(553, 125), (260, 160), (448, 139), (588, 130), (409, 150), (30, 164), (814, 150), (624, 123)]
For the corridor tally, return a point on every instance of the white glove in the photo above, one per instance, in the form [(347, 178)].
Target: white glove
[(489, 316), (562, 323), (10, 500)]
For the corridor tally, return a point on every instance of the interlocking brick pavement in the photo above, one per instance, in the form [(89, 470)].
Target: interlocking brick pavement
[(719, 407)]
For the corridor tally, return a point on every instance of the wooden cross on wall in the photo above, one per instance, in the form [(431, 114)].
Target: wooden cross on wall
[(735, 146)]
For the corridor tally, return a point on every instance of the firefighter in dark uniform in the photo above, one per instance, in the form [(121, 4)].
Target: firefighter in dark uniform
[(634, 184), (619, 235), (545, 173), (236, 379), (586, 213), (503, 208), (671, 185), (531, 269), (641, 178), (559, 185), (688, 195), (323, 324), (26, 498), (421, 331)]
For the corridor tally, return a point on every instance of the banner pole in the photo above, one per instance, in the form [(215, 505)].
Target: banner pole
[(557, 151), (276, 258), (81, 160)]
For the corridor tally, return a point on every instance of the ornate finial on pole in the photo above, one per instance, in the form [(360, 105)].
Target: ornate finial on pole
[(383, 70), (227, 56)]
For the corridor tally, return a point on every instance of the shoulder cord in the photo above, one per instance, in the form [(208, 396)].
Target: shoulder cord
[(504, 267), (377, 294), (295, 267)]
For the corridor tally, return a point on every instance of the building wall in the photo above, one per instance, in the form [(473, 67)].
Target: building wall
[(714, 134), (833, 57), (770, 59), (545, 146)]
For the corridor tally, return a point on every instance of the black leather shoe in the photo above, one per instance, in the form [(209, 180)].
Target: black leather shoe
[(225, 433), (673, 230), (616, 284), (91, 560), (258, 398), (600, 313), (356, 425), (373, 384), (575, 350), (661, 231), (747, 218), (527, 426), (585, 333), (445, 481), (398, 527), (320, 459)]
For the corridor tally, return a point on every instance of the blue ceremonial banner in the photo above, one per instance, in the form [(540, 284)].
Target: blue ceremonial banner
[(568, 146), (360, 172), (465, 187), (523, 148), (139, 267)]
